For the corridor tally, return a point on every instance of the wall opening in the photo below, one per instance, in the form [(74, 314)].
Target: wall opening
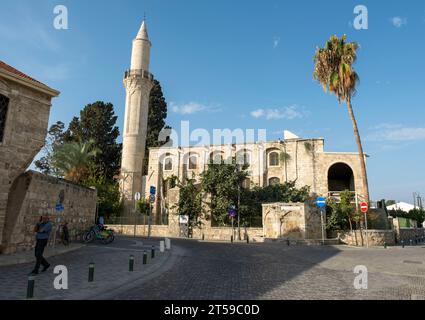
[(340, 178)]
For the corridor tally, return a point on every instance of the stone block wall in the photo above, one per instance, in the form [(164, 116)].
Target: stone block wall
[(33, 194), (25, 131), (296, 221), (375, 237)]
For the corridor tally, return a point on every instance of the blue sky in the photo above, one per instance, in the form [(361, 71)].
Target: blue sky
[(241, 64)]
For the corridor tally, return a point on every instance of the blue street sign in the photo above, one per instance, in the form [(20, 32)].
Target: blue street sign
[(321, 202), (153, 190), (59, 207), (232, 213)]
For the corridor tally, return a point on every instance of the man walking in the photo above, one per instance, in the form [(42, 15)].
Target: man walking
[(43, 229)]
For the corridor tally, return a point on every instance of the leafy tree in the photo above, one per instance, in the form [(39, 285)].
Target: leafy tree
[(108, 197), (156, 120), (221, 182), (334, 71), (342, 212), (390, 202), (54, 139), (73, 160), (97, 123), (143, 206), (190, 202)]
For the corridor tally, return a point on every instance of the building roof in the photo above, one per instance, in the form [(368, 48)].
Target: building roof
[(14, 74), (143, 32), (401, 206)]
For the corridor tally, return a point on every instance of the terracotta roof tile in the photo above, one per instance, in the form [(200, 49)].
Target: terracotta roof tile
[(11, 69)]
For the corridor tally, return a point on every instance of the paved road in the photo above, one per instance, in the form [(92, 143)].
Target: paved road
[(208, 270), (111, 271), (275, 271)]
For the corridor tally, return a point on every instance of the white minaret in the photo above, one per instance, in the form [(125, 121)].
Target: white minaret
[(138, 83)]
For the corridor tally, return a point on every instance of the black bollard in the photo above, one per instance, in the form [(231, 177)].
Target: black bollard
[(30, 287), (402, 243), (131, 263), (231, 239), (153, 252), (288, 242), (411, 242), (145, 257), (203, 237), (91, 272), (385, 245), (247, 239)]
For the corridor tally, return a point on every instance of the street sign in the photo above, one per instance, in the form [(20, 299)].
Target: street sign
[(184, 219), (59, 207), (153, 190), (232, 213), (321, 202), (152, 198), (137, 196), (364, 207)]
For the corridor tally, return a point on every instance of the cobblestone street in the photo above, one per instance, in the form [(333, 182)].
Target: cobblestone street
[(275, 271), (218, 270)]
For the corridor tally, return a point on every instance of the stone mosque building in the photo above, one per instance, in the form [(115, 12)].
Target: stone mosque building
[(269, 162)]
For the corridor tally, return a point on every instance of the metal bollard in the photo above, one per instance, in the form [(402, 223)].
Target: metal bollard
[(30, 287), (167, 243), (402, 243), (411, 242), (203, 237), (153, 252), (131, 263), (385, 245), (161, 246), (91, 272), (145, 256), (288, 242), (231, 239), (247, 239)]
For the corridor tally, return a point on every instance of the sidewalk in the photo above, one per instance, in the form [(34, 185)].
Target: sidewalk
[(111, 271), (28, 256)]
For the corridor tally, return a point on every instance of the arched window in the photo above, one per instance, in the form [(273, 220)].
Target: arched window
[(274, 159), (216, 157), (168, 164), (4, 104), (274, 181), (243, 158), (193, 162)]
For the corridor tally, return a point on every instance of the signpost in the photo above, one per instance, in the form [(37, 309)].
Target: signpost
[(364, 208), (232, 215), (151, 200), (137, 197), (321, 203)]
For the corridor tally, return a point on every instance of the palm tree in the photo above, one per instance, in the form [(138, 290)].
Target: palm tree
[(72, 160), (334, 71)]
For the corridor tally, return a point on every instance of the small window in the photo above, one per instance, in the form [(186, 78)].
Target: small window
[(274, 181), (274, 159), (243, 158), (193, 160), (168, 164), (4, 104)]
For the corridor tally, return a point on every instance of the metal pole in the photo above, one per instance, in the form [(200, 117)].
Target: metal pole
[(134, 217), (239, 212), (323, 229), (367, 236)]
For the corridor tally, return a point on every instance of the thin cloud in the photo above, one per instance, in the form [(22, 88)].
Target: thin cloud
[(396, 133), (192, 108), (290, 113), (398, 22), (276, 41)]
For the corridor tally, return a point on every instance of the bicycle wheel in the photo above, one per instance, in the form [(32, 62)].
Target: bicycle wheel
[(88, 236)]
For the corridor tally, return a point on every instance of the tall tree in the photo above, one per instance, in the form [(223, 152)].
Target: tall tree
[(334, 71), (54, 139), (97, 122), (72, 160), (156, 120)]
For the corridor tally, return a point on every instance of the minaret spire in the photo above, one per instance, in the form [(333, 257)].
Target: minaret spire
[(138, 83)]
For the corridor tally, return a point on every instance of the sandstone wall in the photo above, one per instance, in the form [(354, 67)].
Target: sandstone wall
[(33, 194), (25, 132), (291, 221), (375, 237)]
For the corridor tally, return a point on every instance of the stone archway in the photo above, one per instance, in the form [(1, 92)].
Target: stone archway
[(340, 177)]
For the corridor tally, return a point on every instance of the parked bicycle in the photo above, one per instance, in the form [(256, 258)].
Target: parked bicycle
[(102, 234)]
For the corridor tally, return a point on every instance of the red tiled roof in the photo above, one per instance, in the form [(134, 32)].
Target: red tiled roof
[(20, 74)]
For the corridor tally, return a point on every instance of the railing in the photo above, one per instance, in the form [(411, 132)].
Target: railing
[(143, 73), (355, 198)]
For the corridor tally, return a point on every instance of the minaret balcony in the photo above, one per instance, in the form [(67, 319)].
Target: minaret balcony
[(141, 73)]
